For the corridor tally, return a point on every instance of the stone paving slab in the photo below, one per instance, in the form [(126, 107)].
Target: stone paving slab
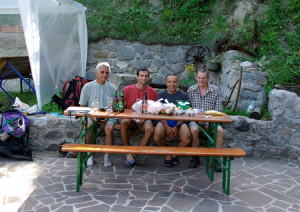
[(48, 184)]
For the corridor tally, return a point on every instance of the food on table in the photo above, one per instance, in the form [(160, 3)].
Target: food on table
[(190, 108), (213, 112)]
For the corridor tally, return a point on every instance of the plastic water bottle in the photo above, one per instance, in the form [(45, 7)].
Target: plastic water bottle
[(251, 106)]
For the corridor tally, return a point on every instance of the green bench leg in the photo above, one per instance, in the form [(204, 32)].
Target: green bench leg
[(226, 174), (82, 157)]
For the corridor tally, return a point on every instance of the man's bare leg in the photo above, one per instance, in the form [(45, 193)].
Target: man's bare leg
[(147, 129), (125, 126), (195, 143), (109, 140), (159, 135), (219, 137), (185, 137)]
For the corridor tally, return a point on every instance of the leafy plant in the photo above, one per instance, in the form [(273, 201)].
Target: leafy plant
[(191, 76)]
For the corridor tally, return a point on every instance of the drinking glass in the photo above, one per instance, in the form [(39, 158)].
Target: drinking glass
[(94, 104), (110, 101)]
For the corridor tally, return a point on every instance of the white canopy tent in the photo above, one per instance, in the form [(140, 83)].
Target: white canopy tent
[(56, 39)]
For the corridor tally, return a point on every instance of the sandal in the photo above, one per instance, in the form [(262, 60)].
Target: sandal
[(168, 163), (175, 161), (130, 162)]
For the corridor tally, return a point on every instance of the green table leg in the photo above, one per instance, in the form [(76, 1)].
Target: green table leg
[(210, 173)]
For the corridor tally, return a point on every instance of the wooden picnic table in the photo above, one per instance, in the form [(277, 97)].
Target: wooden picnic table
[(82, 148)]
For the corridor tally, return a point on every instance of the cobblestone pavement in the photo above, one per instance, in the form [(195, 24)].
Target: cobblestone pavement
[(48, 184)]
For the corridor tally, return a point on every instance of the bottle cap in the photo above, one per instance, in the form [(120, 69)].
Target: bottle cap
[(254, 99)]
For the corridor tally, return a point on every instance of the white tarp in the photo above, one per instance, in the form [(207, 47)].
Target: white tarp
[(56, 39)]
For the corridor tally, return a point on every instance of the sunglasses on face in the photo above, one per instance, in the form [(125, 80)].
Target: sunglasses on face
[(104, 72)]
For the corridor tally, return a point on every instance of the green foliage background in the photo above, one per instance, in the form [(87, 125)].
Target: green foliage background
[(193, 22)]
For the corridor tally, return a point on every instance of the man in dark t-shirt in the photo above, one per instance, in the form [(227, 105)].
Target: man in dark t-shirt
[(172, 128)]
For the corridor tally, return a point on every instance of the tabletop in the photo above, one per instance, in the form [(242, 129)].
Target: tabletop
[(131, 114)]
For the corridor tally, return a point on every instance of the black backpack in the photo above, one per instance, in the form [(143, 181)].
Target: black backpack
[(70, 93)]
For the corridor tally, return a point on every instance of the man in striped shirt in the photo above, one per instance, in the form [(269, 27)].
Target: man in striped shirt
[(204, 96)]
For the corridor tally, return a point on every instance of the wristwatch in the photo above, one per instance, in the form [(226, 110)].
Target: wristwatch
[(178, 126)]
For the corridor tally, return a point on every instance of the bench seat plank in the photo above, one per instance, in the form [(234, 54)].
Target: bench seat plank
[(154, 150)]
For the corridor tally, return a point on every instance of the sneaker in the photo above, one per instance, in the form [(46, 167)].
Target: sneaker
[(218, 167), (194, 162)]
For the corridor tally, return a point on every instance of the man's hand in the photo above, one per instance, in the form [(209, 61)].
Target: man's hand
[(201, 123), (103, 121), (140, 122), (169, 132), (175, 131)]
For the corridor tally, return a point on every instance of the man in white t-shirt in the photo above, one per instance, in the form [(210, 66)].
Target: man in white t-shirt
[(99, 89)]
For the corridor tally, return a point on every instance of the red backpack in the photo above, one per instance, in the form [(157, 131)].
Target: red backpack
[(70, 93)]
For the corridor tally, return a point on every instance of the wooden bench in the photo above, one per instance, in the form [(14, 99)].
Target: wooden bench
[(227, 153)]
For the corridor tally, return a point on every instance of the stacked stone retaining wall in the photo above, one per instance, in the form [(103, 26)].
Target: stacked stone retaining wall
[(279, 138)]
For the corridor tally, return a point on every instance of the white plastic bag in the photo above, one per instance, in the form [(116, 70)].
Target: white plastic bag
[(20, 105), (137, 107), (168, 108), (154, 107), (33, 109)]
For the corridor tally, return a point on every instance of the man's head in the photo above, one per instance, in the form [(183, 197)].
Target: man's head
[(202, 77), (102, 72), (142, 75), (172, 83)]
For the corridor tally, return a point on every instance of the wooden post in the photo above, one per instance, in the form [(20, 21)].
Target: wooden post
[(239, 89), (255, 114)]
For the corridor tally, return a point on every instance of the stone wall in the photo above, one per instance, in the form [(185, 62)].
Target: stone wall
[(13, 44), (161, 61), (279, 138)]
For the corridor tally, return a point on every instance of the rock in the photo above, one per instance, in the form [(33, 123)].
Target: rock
[(139, 48), (261, 81), (126, 53), (158, 63), (252, 87), (158, 79), (177, 68), (123, 80), (242, 125), (143, 64), (122, 65), (149, 55), (111, 47)]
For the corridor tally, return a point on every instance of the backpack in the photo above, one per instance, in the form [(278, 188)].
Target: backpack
[(70, 93), (15, 124)]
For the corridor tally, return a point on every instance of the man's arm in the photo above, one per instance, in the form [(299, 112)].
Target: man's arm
[(169, 131)]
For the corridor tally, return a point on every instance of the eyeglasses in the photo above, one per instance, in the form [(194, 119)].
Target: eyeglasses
[(104, 72)]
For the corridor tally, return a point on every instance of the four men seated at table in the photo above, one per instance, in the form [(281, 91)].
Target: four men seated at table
[(202, 96)]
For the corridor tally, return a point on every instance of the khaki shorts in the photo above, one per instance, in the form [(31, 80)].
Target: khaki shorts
[(110, 120)]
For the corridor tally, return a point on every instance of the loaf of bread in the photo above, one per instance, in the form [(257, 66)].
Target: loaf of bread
[(213, 113)]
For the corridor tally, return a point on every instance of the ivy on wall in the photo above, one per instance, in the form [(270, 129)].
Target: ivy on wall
[(191, 22)]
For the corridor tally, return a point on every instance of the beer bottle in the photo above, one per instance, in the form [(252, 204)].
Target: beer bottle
[(116, 102), (145, 102), (121, 103)]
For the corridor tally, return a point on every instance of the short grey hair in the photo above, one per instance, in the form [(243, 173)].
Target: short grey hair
[(103, 64), (203, 70)]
